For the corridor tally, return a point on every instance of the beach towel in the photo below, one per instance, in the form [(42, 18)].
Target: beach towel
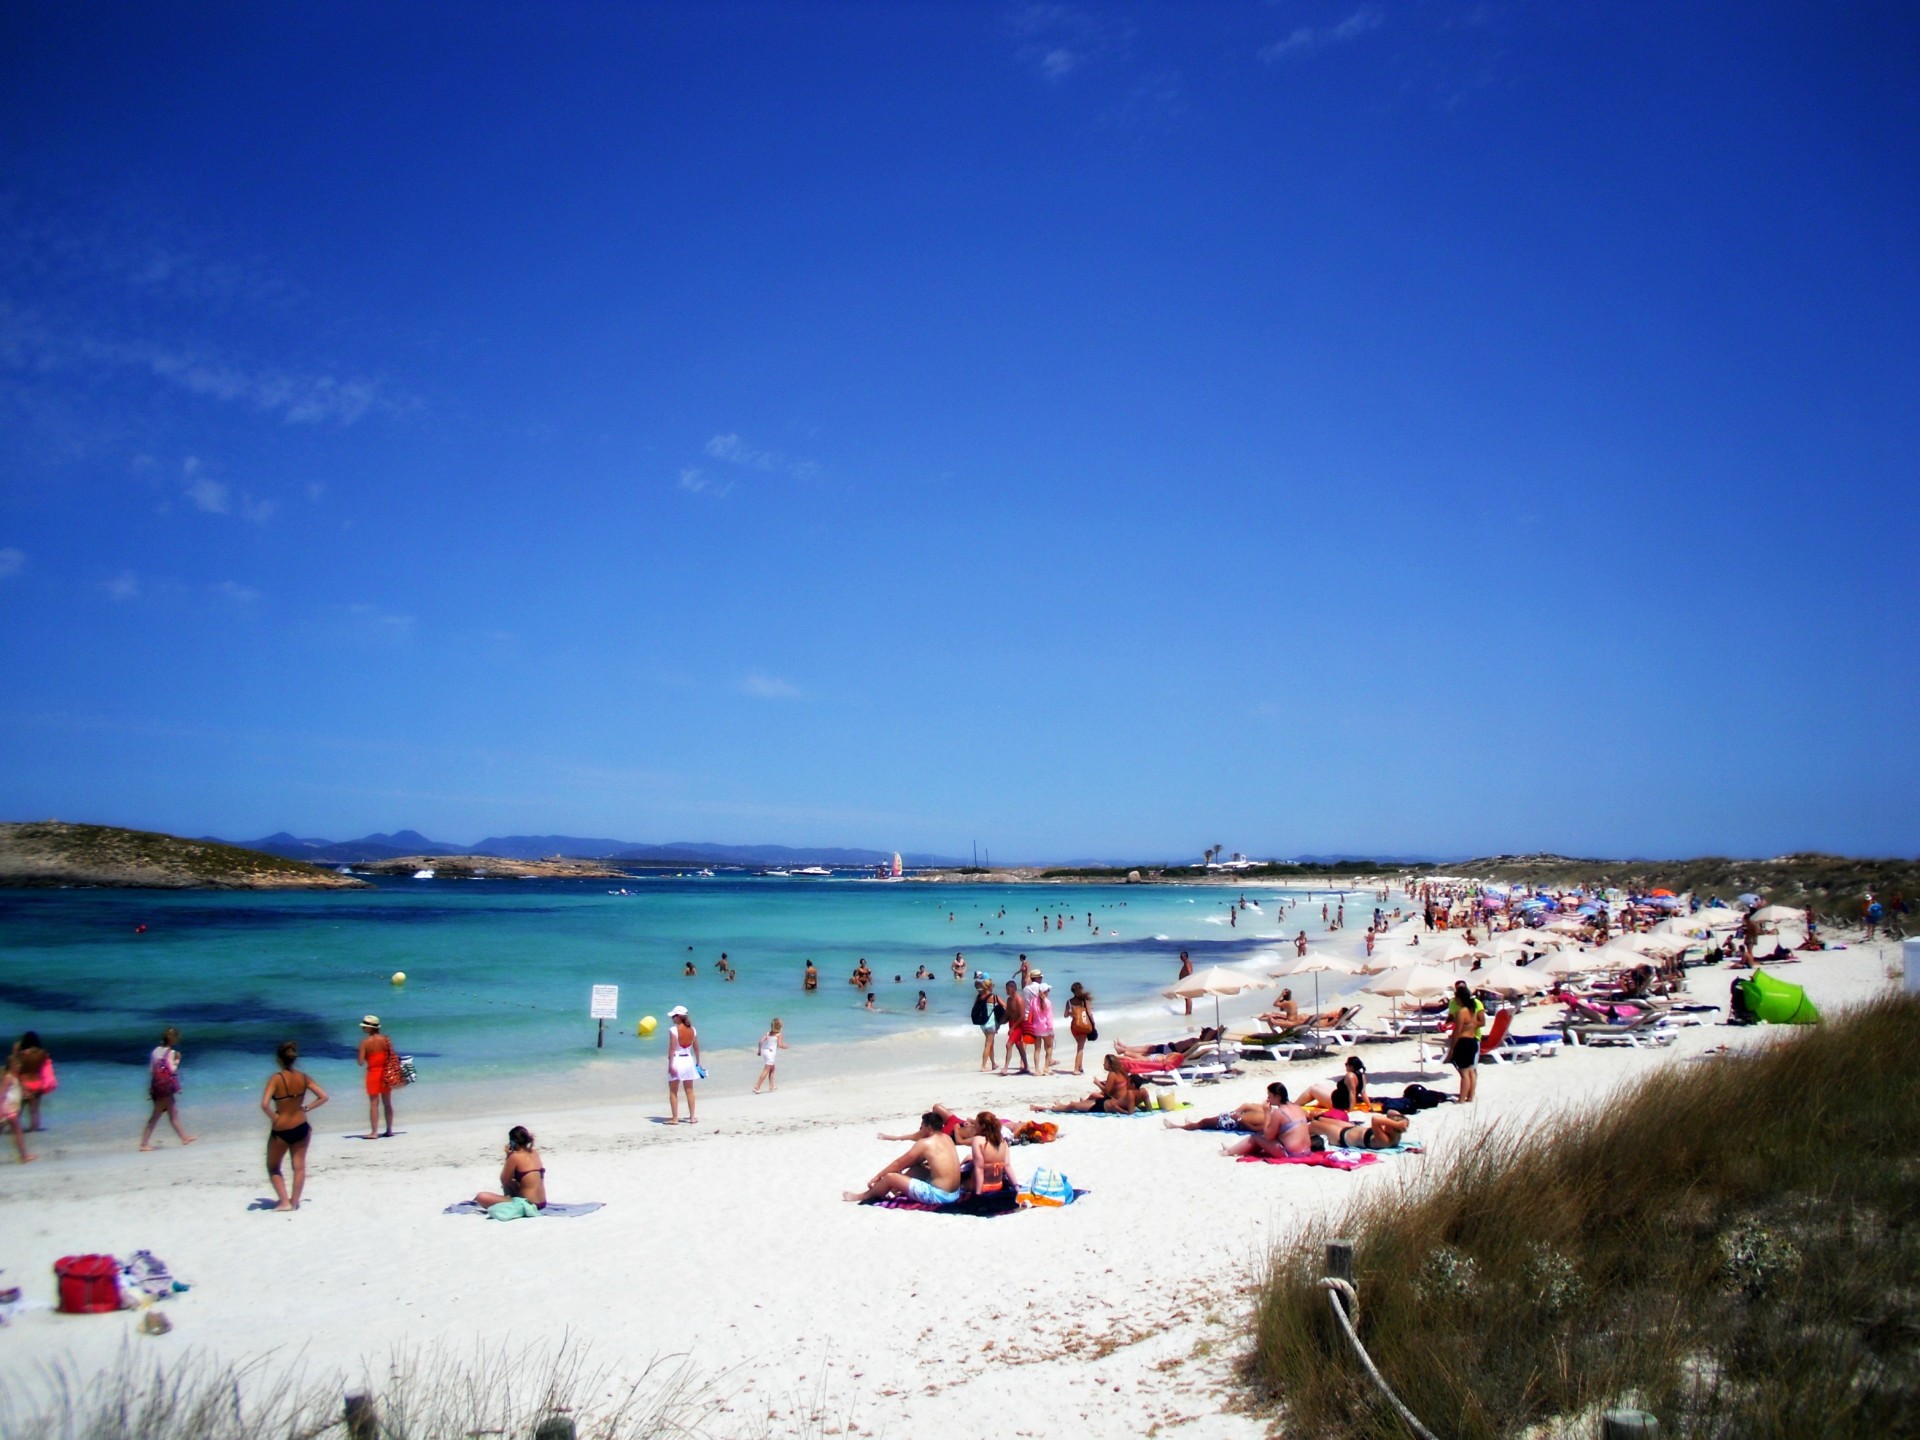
[(552, 1212), (960, 1207), (1326, 1159)]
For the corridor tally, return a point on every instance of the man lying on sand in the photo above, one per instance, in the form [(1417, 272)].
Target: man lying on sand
[(1175, 1047), (1250, 1118), (929, 1172)]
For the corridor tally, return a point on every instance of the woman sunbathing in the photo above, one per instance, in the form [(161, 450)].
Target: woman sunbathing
[(1358, 1132), (1117, 1095), (1283, 1134), (1354, 1078)]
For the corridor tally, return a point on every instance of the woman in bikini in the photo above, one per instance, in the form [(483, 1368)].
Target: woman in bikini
[(1285, 1131), (375, 1049), (284, 1103), (523, 1176), (1080, 1024), (12, 1097), (992, 1179)]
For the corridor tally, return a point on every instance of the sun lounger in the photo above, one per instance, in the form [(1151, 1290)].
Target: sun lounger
[(1647, 1029)]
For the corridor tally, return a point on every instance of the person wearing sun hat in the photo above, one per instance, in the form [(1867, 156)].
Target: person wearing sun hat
[(375, 1049), (683, 1062)]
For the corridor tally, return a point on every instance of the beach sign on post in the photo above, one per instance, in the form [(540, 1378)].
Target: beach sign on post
[(605, 1007)]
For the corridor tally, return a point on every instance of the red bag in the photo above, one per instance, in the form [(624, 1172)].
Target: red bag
[(89, 1284)]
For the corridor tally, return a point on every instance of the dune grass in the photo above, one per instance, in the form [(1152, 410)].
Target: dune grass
[(1732, 1244), (435, 1393)]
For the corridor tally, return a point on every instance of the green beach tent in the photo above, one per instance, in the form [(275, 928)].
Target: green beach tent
[(1777, 1002)]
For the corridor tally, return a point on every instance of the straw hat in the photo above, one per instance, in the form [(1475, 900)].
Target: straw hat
[(369, 1022)]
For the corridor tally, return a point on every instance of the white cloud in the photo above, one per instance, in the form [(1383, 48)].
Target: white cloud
[(736, 451), (12, 562), (237, 593), (383, 622), (695, 483), (768, 687), (210, 496), (124, 586), (1056, 40), (315, 492), (1305, 40), (258, 511)]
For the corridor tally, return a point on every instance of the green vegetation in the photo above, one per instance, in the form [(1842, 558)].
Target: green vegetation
[(1734, 1244), (51, 852), (1833, 884)]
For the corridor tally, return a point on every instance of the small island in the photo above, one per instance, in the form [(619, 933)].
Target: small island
[(51, 853), (494, 867)]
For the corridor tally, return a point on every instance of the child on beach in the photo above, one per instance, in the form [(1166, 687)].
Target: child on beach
[(12, 1093), (771, 1044)]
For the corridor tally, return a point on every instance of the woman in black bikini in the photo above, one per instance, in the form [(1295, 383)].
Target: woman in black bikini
[(284, 1103), (523, 1176)]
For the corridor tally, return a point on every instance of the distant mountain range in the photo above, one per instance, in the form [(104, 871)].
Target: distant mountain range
[(539, 847)]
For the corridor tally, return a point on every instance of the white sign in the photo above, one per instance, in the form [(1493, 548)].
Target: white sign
[(606, 1003)]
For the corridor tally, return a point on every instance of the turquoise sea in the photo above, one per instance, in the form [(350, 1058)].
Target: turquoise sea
[(499, 972)]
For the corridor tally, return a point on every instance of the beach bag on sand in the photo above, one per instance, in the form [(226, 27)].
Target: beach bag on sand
[(1047, 1187), (89, 1284)]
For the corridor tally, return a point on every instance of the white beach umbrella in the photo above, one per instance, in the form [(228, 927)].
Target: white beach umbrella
[(1316, 963), (1668, 944), (1774, 916), (1567, 925), (1215, 981), (1570, 961), (1622, 953), (1718, 917), (1454, 949), (1683, 925), (1511, 979), (1418, 979)]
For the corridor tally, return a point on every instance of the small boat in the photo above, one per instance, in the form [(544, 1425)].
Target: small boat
[(813, 870), (423, 874)]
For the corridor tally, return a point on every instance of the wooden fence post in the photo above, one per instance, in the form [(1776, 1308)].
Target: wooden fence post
[(1340, 1267), (1628, 1425), (363, 1422), (554, 1427)]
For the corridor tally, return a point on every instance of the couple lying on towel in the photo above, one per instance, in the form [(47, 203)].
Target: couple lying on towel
[(1276, 1127), (931, 1172)]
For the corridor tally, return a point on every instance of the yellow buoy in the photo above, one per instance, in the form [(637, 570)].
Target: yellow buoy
[(646, 1026), (399, 977)]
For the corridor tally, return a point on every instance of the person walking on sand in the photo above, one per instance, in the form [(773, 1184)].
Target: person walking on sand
[(987, 1013), (1186, 969), (284, 1103), (37, 1080), (1080, 1024), (1039, 1022), (12, 1095), (683, 1062), (1016, 1030), (375, 1051), (163, 1088), (771, 1044)]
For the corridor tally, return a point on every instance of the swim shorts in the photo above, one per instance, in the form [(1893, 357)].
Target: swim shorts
[(927, 1195), (1465, 1053)]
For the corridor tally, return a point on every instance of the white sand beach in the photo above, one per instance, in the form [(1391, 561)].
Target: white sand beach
[(727, 1242)]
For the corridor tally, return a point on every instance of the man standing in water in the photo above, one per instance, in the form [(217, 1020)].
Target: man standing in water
[(1186, 969)]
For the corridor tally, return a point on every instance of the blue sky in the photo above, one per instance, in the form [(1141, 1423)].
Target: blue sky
[(1095, 430)]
